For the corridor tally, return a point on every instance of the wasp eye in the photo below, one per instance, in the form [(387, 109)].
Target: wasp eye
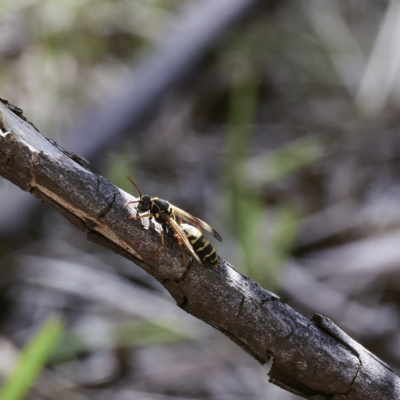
[(144, 204)]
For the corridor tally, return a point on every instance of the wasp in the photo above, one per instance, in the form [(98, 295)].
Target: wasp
[(172, 217)]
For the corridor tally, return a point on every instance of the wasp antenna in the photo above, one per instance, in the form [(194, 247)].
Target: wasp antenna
[(131, 202), (134, 184)]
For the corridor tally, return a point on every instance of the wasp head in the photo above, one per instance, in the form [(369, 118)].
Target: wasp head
[(144, 203)]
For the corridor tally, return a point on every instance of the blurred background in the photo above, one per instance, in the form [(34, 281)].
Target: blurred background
[(278, 125)]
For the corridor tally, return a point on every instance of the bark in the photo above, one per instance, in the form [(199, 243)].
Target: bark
[(313, 359)]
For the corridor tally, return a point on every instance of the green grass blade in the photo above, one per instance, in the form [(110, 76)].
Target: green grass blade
[(32, 359)]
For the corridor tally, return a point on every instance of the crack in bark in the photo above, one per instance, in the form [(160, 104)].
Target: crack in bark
[(106, 210), (240, 309), (320, 321), (272, 298), (6, 157), (98, 182), (184, 302), (356, 374), (281, 342), (35, 162), (97, 225), (8, 135)]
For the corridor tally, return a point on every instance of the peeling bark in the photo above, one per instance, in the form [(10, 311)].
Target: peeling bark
[(314, 359)]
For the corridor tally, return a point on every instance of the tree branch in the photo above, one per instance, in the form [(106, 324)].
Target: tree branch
[(313, 359)]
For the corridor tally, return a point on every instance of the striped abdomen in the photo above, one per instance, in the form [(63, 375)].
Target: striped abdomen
[(201, 245)]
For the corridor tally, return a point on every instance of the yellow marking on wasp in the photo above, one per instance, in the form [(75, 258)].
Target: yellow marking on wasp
[(213, 261), (196, 238), (209, 255), (206, 243)]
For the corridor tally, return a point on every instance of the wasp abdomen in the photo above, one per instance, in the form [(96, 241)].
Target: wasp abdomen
[(201, 245)]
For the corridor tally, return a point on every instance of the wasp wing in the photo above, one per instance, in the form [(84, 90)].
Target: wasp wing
[(196, 221), (182, 236)]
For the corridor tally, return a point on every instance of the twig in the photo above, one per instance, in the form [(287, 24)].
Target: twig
[(313, 359)]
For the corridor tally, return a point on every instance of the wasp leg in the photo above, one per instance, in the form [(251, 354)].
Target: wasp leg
[(141, 216), (160, 248), (183, 255)]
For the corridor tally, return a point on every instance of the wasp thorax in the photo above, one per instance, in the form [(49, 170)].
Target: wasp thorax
[(144, 203)]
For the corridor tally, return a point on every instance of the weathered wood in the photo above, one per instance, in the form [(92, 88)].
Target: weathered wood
[(313, 359)]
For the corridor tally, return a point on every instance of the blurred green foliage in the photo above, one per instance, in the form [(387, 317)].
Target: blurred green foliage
[(286, 160), (123, 335), (264, 236), (117, 167), (32, 360)]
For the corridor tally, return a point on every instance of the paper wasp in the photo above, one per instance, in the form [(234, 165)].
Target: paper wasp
[(187, 235)]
